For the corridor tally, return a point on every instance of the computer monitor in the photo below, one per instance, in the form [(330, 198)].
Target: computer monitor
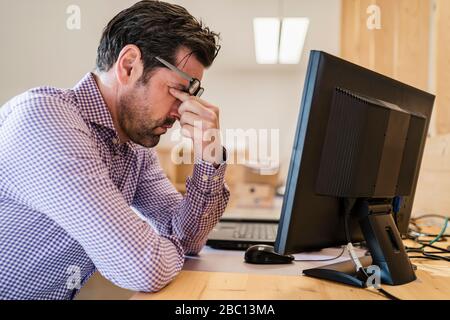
[(356, 156)]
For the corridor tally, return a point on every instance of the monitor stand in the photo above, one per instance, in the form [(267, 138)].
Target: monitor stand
[(385, 246)]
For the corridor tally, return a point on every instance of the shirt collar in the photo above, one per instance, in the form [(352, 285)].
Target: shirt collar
[(91, 102), (93, 106)]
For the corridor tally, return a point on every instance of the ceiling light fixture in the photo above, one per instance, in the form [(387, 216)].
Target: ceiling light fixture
[(270, 48), (267, 36), (293, 35)]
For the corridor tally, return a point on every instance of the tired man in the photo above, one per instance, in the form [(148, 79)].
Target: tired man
[(73, 163)]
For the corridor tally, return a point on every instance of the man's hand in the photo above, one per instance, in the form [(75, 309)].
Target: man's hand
[(199, 121)]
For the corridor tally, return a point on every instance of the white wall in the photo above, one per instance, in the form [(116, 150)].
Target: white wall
[(259, 100), (37, 49)]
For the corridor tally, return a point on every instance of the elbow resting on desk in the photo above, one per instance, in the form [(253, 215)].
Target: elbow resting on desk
[(147, 271)]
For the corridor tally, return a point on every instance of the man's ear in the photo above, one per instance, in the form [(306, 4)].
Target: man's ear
[(129, 66)]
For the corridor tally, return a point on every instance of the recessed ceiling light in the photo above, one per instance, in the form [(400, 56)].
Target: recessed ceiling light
[(293, 34), (267, 36), (270, 48)]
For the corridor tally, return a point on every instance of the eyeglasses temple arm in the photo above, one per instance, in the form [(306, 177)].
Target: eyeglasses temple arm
[(175, 69)]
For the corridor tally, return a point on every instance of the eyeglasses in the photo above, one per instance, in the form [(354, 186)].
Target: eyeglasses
[(194, 88)]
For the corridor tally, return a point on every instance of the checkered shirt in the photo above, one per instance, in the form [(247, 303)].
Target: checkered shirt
[(67, 193)]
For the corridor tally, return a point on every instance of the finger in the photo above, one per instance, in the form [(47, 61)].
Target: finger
[(184, 96), (191, 106), (191, 119), (207, 104), (180, 95), (197, 122), (197, 108), (187, 131)]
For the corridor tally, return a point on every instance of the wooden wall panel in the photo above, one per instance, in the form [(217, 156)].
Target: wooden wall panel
[(442, 108), (400, 49), (349, 31), (385, 39), (356, 41), (433, 187), (412, 60)]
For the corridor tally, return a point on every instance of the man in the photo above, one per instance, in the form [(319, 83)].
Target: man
[(74, 162)]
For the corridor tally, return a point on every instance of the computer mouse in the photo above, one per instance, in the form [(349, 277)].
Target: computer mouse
[(264, 254)]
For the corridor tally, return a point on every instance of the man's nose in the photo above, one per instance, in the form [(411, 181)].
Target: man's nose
[(174, 110)]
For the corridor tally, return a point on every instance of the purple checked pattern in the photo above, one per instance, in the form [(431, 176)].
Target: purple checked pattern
[(66, 192)]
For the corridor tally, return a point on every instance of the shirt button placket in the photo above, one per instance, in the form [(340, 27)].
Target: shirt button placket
[(116, 154)]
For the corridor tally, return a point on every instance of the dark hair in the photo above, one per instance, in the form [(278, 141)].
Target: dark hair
[(157, 29)]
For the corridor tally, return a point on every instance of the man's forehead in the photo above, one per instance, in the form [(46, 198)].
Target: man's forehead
[(182, 59), (187, 61)]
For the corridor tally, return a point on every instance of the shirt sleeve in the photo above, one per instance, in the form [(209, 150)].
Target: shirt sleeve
[(189, 219), (48, 154)]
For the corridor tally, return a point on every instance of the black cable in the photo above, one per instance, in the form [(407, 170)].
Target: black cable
[(426, 257), (378, 293), (413, 250), (433, 235), (429, 255), (416, 250), (319, 260), (433, 247), (387, 294), (348, 209), (425, 216), (348, 206), (426, 254), (413, 221), (380, 290), (430, 235), (441, 235)]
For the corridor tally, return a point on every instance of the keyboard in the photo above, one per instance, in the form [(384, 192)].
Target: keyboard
[(260, 231), (242, 234)]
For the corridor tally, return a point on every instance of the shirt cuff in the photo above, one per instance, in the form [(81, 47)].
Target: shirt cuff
[(207, 178)]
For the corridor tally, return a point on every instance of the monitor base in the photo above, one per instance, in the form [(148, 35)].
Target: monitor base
[(385, 246), (343, 272)]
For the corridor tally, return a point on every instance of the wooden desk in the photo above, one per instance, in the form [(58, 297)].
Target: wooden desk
[(431, 197), (193, 285)]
